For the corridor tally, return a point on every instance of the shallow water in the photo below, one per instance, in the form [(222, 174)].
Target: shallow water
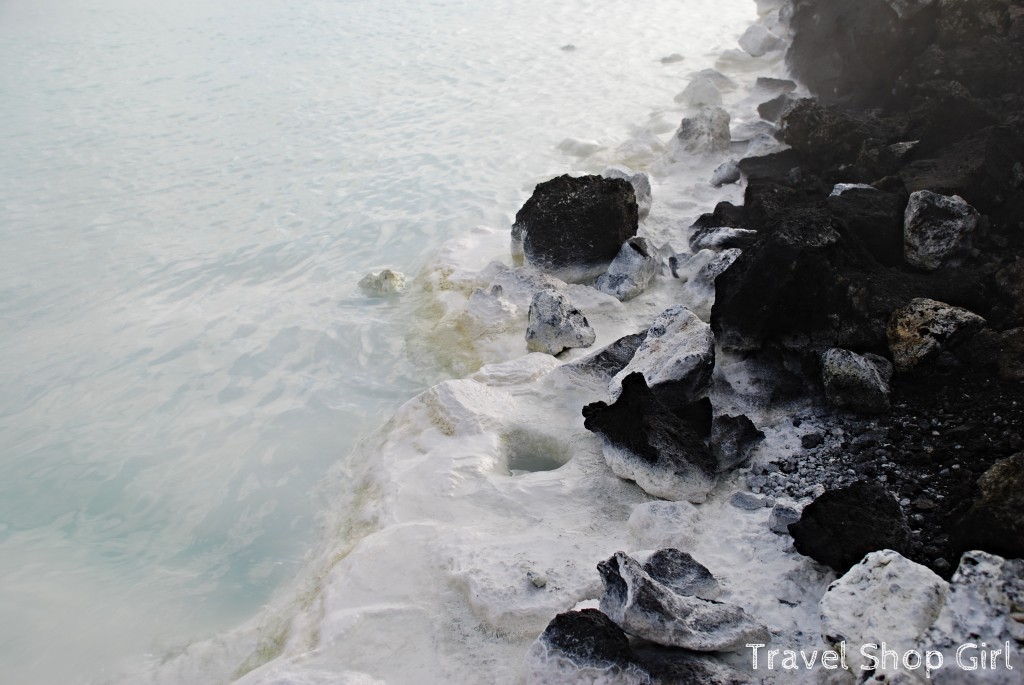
[(192, 191)]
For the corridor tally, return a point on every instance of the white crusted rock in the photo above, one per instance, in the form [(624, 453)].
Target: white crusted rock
[(885, 598), (706, 133), (386, 282), (641, 183), (923, 328), (632, 270), (490, 308), (985, 604), (555, 325), (937, 229), (720, 238), (840, 188), (757, 41), (643, 607), (700, 91), (856, 382), (678, 351)]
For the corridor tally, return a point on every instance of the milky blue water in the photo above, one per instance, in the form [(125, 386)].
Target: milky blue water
[(190, 192)]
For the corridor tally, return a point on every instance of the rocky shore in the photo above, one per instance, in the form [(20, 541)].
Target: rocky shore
[(871, 287)]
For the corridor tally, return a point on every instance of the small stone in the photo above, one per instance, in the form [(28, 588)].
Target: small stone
[(782, 515), (811, 440), (741, 499), (537, 578)]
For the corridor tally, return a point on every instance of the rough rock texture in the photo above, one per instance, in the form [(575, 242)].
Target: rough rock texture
[(681, 573), (773, 109), (677, 357), (641, 183), (609, 360), (841, 526), (732, 439), (380, 283), (657, 442), (632, 270), (996, 520), (782, 515), (576, 223), (720, 238), (984, 604), (726, 173), (856, 382), (702, 134), (924, 328), (885, 598), (555, 325), (646, 608), (937, 229), (700, 91)]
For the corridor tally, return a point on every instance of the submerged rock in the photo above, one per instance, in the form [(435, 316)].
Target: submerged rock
[(995, 522), (841, 526), (937, 229), (732, 440), (726, 173), (856, 382), (632, 270), (657, 444), (641, 183), (706, 133), (555, 325), (677, 356), (757, 41), (885, 598), (643, 607), (583, 647), (576, 223), (700, 91), (386, 282), (924, 328)]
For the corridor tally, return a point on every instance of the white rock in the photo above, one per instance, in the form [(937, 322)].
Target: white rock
[(757, 41), (632, 270), (578, 147), (679, 349), (937, 229), (490, 308), (762, 144), (840, 188), (924, 328), (556, 325), (683, 481), (706, 133), (719, 237), (700, 91), (386, 282), (519, 285), (885, 598), (641, 186), (643, 607), (984, 605), (714, 267), (726, 173)]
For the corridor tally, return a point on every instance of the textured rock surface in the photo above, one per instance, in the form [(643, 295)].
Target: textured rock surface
[(856, 382), (782, 515), (681, 573), (555, 325), (757, 41), (643, 607), (657, 443), (937, 229), (732, 439), (702, 134), (386, 282), (720, 238), (841, 526), (641, 183), (924, 328), (677, 356), (576, 223), (632, 270), (884, 598), (583, 647), (995, 523)]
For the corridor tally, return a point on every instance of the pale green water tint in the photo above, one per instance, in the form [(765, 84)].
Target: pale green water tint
[(191, 192)]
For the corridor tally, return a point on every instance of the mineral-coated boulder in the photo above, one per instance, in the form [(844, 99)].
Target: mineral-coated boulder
[(705, 133), (995, 523), (732, 440), (700, 91), (885, 598), (841, 526), (555, 325), (677, 356), (632, 270), (681, 573), (782, 515), (576, 224), (380, 283), (656, 441), (609, 360), (984, 605), (856, 382), (641, 183), (937, 229), (924, 328), (757, 41), (643, 607)]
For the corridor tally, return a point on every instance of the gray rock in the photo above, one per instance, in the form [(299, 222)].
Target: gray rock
[(555, 325), (678, 354), (720, 238), (706, 133), (937, 229), (984, 604), (732, 439), (748, 501), (925, 328), (856, 382), (632, 270), (641, 183), (726, 173), (672, 59), (757, 41), (700, 91), (715, 267), (682, 574), (643, 607), (782, 515)]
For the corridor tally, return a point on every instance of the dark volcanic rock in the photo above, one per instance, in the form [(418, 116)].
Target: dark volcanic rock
[(732, 439), (831, 135), (840, 527), (658, 445), (609, 360), (725, 214), (681, 573), (776, 165), (996, 521), (857, 382), (773, 109), (589, 637), (576, 223)]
